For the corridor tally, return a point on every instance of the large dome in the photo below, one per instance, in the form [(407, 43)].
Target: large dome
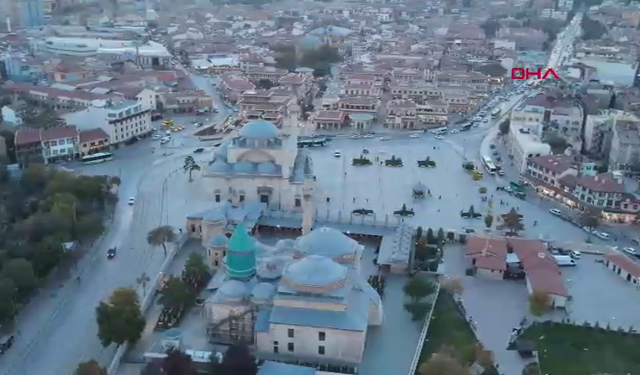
[(315, 274), (259, 129), (327, 242)]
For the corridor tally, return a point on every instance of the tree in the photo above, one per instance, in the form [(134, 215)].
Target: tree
[(196, 272), (160, 236), (20, 271), (8, 296), (91, 367), (237, 360), (442, 363), (190, 165), (591, 219), (115, 180), (490, 28), (505, 126), (178, 363), (453, 286), (418, 234), (558, 144), (539, 302), (41, 119), (488, 221), (512, 220), (431, 238), (592, 29), (320, 59), (417, 288), (120, 319), (440, 236), (265, 84), (175, 294), (89, 226)]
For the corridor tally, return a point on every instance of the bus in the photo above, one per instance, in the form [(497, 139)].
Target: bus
[(97, 158), (489, 166), (495, 113), (311, 142)]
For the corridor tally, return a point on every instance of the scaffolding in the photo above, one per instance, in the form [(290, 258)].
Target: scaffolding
[(234, 329)]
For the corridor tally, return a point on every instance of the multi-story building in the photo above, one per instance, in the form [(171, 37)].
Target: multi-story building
[(367, 106), (580, 186), (23, 68), (263, 104), (298, 84), (188, 101), (523, 143), (624, 148), (329, 120), (122, 120), (233, 85), (50, 145), (417, 92), (373, 89), (31, 13), (265, 72), (52, 98), (477, 81), (554, 112)]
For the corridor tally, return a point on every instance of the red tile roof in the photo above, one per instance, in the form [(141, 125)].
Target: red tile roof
[(92, 135), (27, 135), (604, 182), (625, 263), (488, 253), (556, 164)]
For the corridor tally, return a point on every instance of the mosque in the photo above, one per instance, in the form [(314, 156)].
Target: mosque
[(303, 298), (262, 165)]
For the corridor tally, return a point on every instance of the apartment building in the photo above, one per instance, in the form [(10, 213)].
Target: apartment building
[(624, 146), (581, 187), (233, 85), (554, 112), (367, 106), (264, 104), (188, 101), (524, 143), (53, 98), (50, 145), (298, 84), (405, 114), (372, 89), (123, 120), (265, 72), (415, 91), (477, 81)]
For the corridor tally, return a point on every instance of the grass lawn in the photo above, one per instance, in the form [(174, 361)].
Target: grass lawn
[(575, 350), (448, 328)]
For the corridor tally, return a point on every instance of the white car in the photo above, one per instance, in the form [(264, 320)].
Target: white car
[(603, 235), (337, 153), (368, 136), (555, 211), (630, 251), (454, 131), (132, 201), (414, 136), (385, 138), (485, 120), (356, 136), (156, 137), (439, 137)]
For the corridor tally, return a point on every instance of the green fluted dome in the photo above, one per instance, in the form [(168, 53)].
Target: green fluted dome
[(241, 254)]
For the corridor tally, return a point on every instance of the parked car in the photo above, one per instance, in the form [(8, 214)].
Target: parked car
[(630, 251), (198, 150), (132, 201), (385, 138), (603, 236)]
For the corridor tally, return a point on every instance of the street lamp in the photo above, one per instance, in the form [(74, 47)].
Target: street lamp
[(143, 280)]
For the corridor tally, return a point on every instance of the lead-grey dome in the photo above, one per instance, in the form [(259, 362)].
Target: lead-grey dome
[(220, 166), (315, 274), (234, 289), (259, 129), (327, 242), (263, 292), (218, 240), (243, 167), (267, 167)]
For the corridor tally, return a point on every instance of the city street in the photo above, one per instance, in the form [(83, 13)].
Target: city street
[(57, 330)]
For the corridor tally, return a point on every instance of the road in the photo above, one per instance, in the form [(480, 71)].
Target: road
[(57, 330)]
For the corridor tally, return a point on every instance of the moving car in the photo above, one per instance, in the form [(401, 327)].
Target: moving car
[(337, 153), (198, 150), (555, 211), (439, 137), (156, 137), (603, 236), (6, 342), (111, 253), (385, 138), (414, 136), (132, 201), (564, 261), (356, 136)]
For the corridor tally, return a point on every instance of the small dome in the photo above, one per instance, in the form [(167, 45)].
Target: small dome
[(315, 274), (243, 167), (267, 168), (259, 129), (234, 289), (219, 166), (218, 240), (215, 215), (311, 42), (270, 270), (263, 292), (285, 245), (327, 242)]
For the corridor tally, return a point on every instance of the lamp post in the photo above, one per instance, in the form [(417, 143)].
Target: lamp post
[(143, 280)]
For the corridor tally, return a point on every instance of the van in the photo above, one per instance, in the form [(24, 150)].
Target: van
[(564, 260), (575, 254)]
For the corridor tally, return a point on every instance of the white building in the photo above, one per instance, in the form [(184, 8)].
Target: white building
[(122, 120), (147, 54), (262, 165), (523, 142)]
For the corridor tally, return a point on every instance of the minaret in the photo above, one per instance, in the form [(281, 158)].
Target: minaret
[(307, 206)]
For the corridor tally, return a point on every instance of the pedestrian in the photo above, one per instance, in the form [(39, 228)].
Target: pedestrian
[(440, 197), (354, 200)]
